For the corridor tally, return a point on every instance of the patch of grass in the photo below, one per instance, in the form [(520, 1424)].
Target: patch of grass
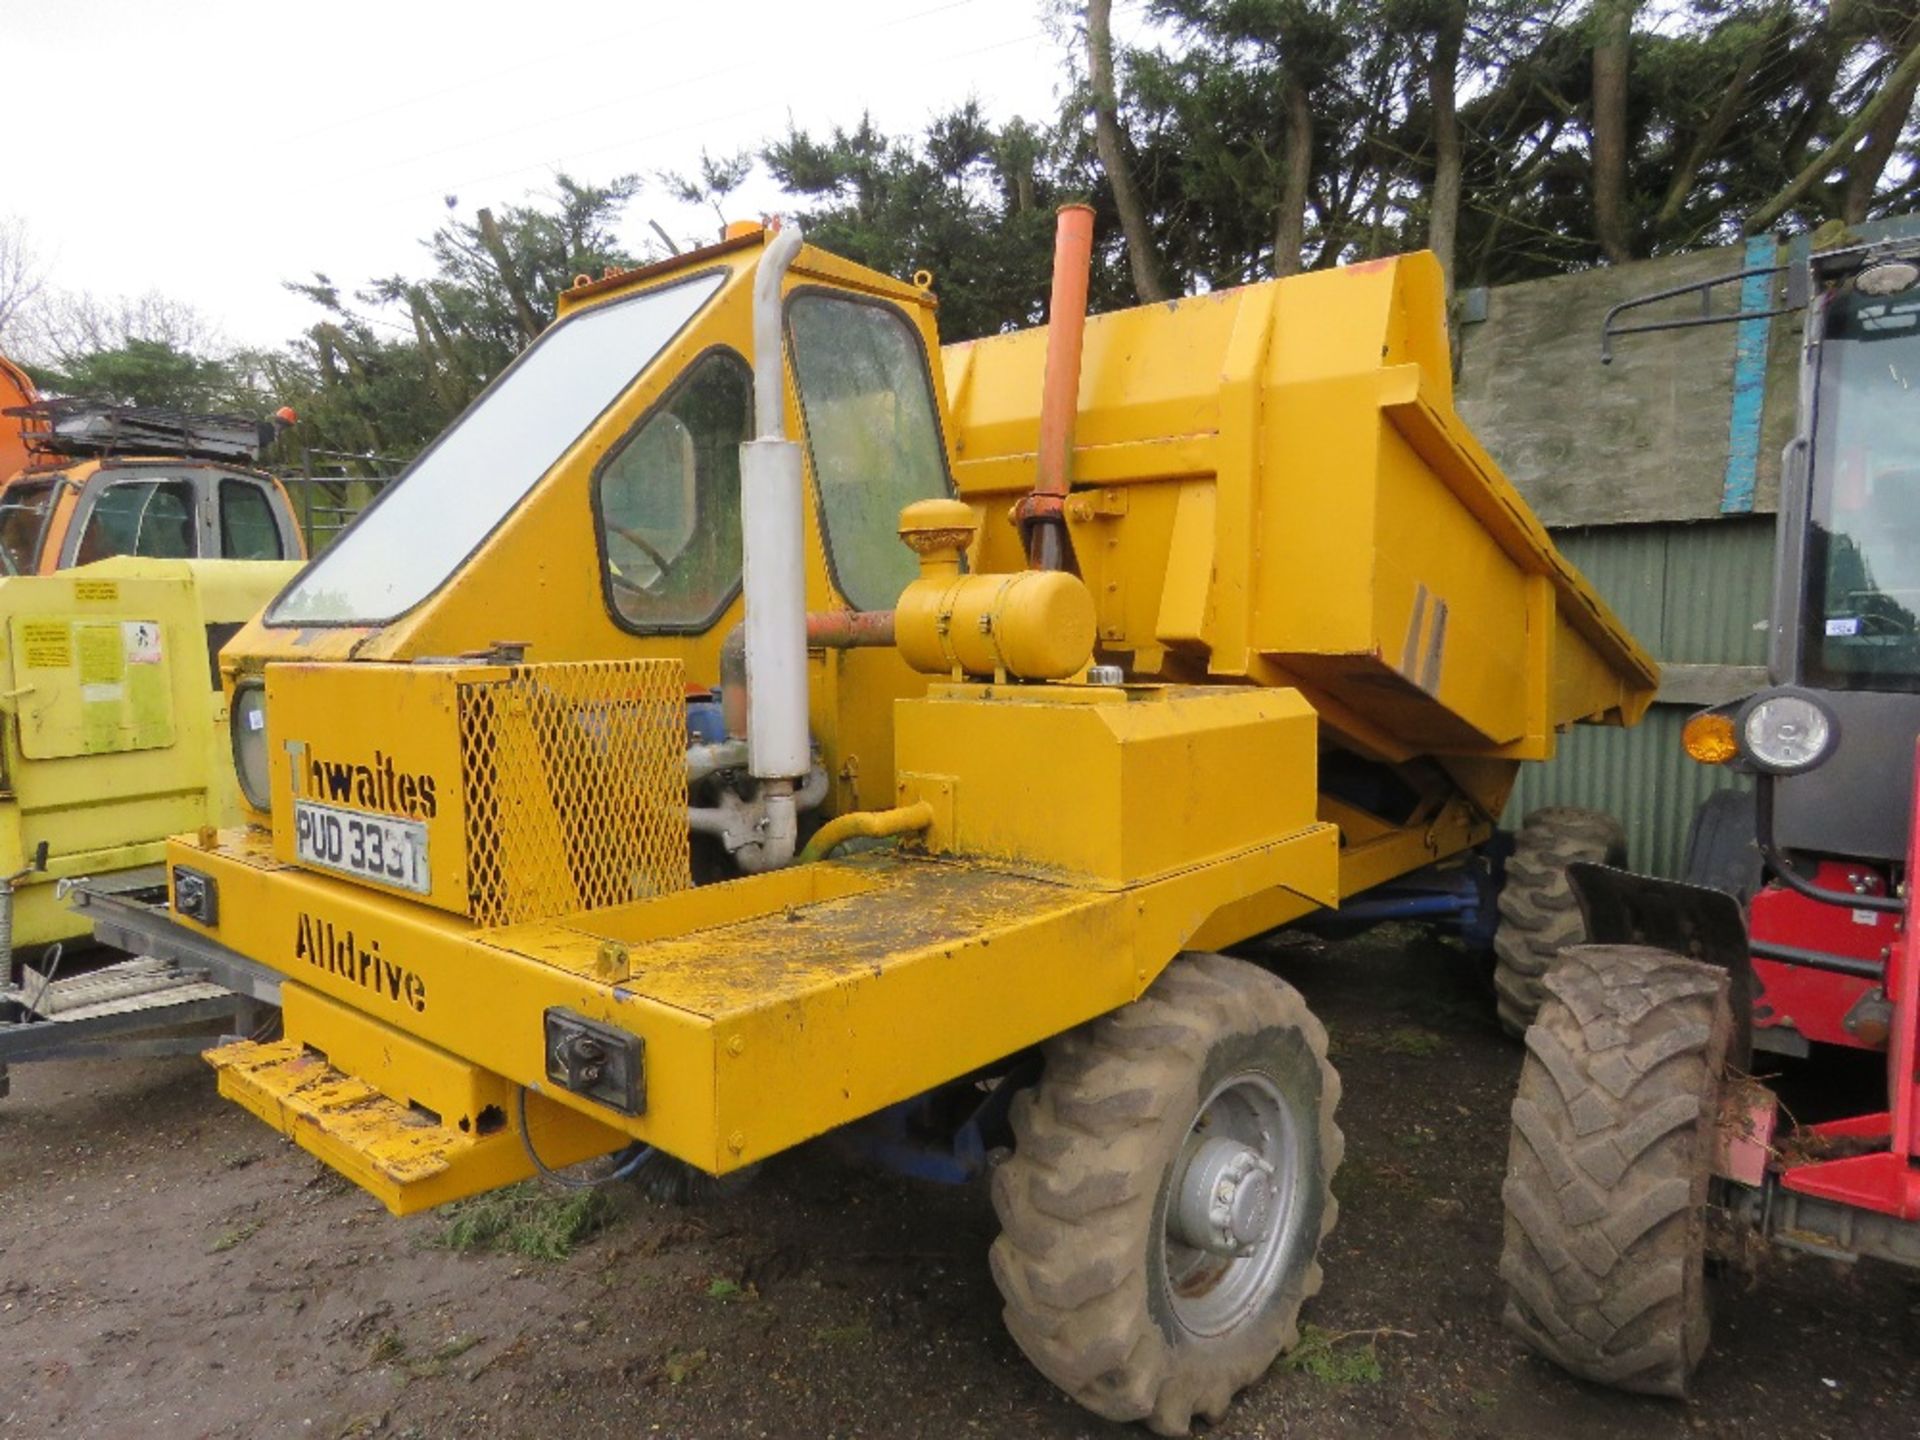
[(724, 1289), (386, 1349), (236, 1234), (1347, 1358), (681, 1364), (1411, 1040), (526, 1219), (435, 1365)]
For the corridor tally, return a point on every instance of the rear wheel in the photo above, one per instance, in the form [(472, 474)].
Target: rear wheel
[(1608, 1169), (1539, 916), (1168, 1192)]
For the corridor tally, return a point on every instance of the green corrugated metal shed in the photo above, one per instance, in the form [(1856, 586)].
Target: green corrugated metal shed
[(1695, 595)]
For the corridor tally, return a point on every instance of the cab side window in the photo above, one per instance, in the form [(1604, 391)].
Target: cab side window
[(247, 528), (155, 518), (667, 501)]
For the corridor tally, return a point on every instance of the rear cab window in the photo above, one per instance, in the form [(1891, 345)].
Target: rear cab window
[(873, 434)]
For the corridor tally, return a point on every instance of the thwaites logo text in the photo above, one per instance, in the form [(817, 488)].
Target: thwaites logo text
[(378, 786), (336, 951)]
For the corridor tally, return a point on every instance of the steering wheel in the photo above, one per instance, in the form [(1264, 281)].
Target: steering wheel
[(660, 563)]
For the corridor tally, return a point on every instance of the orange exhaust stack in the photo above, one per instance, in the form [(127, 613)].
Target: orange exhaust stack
[(1039, 513)]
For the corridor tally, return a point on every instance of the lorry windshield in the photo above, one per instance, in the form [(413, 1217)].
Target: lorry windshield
[(1863, 557), (460, 489)]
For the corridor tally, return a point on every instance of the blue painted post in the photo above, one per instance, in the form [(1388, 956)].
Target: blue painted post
[(1750, 339)]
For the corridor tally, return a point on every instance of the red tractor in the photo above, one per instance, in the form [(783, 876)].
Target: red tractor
[(1640, 1139)]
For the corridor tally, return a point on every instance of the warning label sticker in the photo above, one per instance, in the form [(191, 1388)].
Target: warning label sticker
[(102, 661), (46, 644), (142, 641)]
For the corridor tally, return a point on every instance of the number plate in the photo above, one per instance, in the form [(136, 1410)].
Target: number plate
[(367, 847)]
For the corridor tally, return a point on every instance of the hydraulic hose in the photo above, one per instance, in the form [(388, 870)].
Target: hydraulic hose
[(877, 824)]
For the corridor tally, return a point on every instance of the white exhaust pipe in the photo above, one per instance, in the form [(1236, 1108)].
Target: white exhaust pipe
[(773, 520)]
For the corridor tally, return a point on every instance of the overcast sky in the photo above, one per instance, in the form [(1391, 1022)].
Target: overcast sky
[(211, 149)]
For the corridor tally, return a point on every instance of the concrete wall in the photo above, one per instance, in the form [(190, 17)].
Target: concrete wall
[(1645, 439)]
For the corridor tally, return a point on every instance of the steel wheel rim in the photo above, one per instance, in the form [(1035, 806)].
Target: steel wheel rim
[(1212, 1294)]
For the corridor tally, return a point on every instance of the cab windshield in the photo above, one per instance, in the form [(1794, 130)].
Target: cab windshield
[(458, 491), (1863, 558)]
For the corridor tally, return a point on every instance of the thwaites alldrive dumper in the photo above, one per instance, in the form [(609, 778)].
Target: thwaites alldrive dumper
[(1641, 1141), (113, 729), (620, 777)]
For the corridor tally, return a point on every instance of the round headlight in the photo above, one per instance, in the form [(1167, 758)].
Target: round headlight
[(248, 721), (1786, 732)]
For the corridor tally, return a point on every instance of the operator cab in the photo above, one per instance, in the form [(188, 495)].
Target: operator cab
[(1847, 584), (588, 506)]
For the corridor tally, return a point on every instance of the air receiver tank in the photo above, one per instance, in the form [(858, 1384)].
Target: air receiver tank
[(1027, 625)]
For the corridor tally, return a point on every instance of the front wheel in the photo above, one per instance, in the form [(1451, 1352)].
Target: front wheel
[(1610, 1166), (1167, 1195)]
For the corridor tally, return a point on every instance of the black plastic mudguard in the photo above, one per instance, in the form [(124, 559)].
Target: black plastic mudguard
[(1622, 908)]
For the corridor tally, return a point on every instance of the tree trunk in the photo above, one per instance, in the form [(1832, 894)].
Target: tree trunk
[(503, 262), (1900, 83), (1612, 40), (1443, 74), (1869, 162), (1111, 143), (1296, 171)]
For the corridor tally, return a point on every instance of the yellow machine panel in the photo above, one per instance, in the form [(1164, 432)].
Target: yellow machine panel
[(503, 793), (1092, 783), (114, 727), (96, 686)]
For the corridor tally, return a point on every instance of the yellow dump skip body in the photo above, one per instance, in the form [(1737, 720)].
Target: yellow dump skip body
[(1304, 565), (1272, 485)]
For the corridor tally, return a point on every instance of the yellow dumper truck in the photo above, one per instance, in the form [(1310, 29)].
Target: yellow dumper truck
[(749, 721)]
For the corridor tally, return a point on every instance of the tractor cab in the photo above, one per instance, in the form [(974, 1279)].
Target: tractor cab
[(1846, 627)]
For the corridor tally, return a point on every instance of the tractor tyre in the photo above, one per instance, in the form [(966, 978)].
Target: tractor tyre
[(1167, 1194), (1539, 916), (1609, 1167)]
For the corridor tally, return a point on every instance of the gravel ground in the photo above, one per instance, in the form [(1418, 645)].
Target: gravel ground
[(168, 1267)]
